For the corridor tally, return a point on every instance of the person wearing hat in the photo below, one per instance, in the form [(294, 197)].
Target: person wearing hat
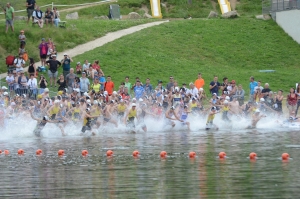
[(130, 116), (19, 63), (66, 64), (255, 118), (42, 123), (78, 68), (22, 37), (210, 118), (169, 116)]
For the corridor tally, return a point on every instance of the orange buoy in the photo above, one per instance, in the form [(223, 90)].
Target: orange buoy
[(285, 156), (21, 152), (135, 153), (61, 152), (6, 152), (252, 156), (39, 152), (163, 154), (84, 152), (0, 151), (109, 153), (192, 154), (222, 155)]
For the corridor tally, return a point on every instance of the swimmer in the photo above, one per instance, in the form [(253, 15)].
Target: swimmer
[(54, 110), (255, 118), (169, 115), (130, 116), (42, 123), (225, 110), (87, 122), (184, 115), (107, 113), (142, 114), (121, 108), (96, 110), (210, 119), (75, 112)]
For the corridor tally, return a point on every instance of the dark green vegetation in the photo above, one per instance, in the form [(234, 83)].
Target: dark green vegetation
[(212, 47)]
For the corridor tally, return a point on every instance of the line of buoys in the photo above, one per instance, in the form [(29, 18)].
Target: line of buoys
[(84, 152), (109, 153), (61, 152), (39, 152), (20, 152)]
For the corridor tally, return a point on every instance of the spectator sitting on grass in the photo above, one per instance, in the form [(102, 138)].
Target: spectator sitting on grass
[(38, 17), (86, 65), (90, 72), (48, 16), (96, 65), (22, 49)]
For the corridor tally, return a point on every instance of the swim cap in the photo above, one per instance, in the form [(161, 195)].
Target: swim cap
[(95, 102), (39, 96), (87, 110), (172, 107), (227, 98), (141, 100), (225, 102), (133, 104), (45, 118), (257, 111), (213, 108), (6, 93), (88, 101), (262, 99)]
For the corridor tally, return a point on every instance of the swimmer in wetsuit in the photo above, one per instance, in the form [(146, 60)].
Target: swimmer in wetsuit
[(42, 123)]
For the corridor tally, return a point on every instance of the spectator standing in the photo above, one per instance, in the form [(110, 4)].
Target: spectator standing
[(38, 17), (70, 79), (109, 86), (30, 4), (22, 37), (148, 87), (31, 67), (102, 80), (10, 81), (84, 84), (214, 86), (171, 83), (43, 52), (199, 83), (138, 90), (51, 47), (48, 16), (9, 16), (22, 81), (62, 84), (52, 72), (266, 90), (252, 85), (240, 95), (66, 64), (43, 84), (127, 84), (19, 63), (56, 16), (32, 84)]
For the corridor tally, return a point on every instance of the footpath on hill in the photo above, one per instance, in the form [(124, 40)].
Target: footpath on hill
[(109, 37)]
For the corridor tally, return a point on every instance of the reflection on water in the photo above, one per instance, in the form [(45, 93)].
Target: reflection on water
[(149, 176)]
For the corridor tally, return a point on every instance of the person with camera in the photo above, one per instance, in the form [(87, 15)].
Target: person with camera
[(70, 79), (43, 84), (66, 64)]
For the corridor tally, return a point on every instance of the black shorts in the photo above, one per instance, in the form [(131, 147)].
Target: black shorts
[(43, 56), (106, 119), (85, 128)]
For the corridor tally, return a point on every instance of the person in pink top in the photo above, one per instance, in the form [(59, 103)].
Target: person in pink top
[(96, 65)]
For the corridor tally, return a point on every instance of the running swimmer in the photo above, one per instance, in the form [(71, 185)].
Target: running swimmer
[(42, 123), (130, 116), (184, 115), (255, 118), (87, 121), (210, 119), (169, 115)]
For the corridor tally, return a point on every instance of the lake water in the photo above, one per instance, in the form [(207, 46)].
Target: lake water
[(149, 176)]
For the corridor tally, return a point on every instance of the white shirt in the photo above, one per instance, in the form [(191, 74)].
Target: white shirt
[(10, 79), (32, 83), (192, 91), (19, 63), (256, 87)]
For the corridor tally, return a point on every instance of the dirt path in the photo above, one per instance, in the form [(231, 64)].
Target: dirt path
[(86, 6), (109, 37)]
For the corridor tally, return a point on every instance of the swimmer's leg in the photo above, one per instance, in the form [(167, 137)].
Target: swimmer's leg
[(62, 130)]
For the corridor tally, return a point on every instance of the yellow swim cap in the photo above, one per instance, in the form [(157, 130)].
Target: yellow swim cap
[(39, 97), (59, 93)]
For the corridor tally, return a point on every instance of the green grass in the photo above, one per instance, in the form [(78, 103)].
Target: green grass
[(77, 32), (236, 49)]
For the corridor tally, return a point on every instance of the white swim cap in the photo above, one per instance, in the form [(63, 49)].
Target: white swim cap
[(227, 98), (95, 102), (133, 104), (200, 89), (262, 99), (45, 118), (257, 111), (4, 88), (13, 104), (88, 101), (5, 93), (115, 92), (141, 100), (225, 102), (133, 99), (56, 101)]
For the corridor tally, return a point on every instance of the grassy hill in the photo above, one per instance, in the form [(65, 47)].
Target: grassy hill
[(213, 47)]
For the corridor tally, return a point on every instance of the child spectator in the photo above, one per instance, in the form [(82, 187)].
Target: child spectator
[(22, 37), (78, 68)]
